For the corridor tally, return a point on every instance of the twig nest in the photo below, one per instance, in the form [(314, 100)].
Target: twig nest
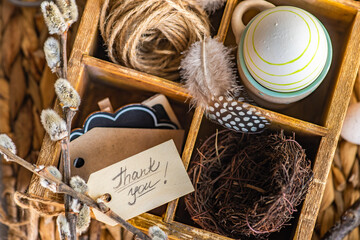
[(150, 35), (247, 184)]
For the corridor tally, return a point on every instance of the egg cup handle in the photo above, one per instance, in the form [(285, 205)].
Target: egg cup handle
[(237, 23)]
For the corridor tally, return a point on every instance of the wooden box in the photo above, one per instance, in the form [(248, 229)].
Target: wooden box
[(316, 120)]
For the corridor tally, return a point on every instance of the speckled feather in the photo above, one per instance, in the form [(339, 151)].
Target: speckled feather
[(236, 115)]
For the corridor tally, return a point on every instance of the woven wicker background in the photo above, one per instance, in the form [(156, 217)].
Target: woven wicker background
[(24, 93)]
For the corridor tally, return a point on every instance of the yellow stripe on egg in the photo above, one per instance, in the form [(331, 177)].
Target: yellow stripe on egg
[(289, 71), (291, 61), (289, 84), (297, 71)]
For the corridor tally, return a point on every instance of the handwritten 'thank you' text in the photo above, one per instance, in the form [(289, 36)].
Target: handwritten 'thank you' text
[(135, 182)]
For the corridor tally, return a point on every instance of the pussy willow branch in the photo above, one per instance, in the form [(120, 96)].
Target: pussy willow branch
[(61, 187), (58, 72), (69, 114), (63, 44), (71, 217)]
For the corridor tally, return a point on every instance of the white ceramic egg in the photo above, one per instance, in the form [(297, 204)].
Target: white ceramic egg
[(285, 48), (351, 127)]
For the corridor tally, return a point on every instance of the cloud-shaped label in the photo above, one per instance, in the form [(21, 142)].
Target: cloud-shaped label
[(130, 116)]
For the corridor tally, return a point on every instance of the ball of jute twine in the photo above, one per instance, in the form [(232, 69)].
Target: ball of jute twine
[(151, 35)]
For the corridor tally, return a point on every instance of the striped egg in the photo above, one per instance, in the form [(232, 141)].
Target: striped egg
[(285, 48)]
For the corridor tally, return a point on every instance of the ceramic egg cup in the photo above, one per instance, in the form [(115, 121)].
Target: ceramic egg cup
[(273, 99)]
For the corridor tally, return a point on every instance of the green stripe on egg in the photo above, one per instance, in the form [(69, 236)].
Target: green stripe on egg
[(301, 65), (291, 61)]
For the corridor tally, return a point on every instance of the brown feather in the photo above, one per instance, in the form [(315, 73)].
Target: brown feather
[(208, 71)]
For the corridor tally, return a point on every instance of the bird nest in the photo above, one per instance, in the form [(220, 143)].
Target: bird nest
[(247, 184)]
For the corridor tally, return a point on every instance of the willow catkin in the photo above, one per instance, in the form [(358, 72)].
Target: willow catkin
[(151, 35)]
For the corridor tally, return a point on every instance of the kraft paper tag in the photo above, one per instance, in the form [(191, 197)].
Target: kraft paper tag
[(142, 182), (162, 100), (101, 147)]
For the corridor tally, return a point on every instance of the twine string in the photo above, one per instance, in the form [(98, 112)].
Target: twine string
[(151, 35), (45, 207)]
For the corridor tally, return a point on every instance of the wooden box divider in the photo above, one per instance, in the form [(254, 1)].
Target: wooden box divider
[(343, 23)]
